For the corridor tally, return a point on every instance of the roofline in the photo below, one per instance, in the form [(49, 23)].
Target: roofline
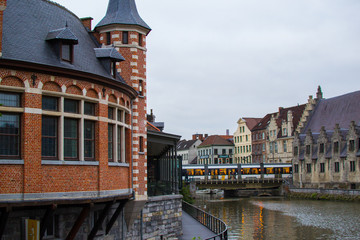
[(22, 65), (124, 25), (163, 134)]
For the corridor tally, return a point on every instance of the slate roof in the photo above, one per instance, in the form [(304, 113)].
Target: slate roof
[(263, 123), (27, 25), (185, 145), (337, 110), (122, 12), (215, 140), (108, 53)]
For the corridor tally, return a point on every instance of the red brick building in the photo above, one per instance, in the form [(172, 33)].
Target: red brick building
[(73, 116)]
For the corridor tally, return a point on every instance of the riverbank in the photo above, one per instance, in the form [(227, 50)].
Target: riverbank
[(324, 194)]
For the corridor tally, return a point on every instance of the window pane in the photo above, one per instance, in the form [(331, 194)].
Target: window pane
[(120, 115), (9, 99), (89, 108), (49, 137), (71, 106), (49, 103), (89, 139), (66, 52), (9, 135), (111, 113), (110, 141), (119, 144), (70, 138)]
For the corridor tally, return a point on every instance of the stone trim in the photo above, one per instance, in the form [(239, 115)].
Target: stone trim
[(60, 162), (11, 162)]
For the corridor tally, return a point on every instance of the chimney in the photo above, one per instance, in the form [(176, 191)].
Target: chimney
[(87, 22), (2, 9), (227, 132)]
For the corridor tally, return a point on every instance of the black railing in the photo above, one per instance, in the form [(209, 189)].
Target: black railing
[(214, 224)]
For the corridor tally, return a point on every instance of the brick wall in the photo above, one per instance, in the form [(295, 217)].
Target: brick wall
[(33, 176)]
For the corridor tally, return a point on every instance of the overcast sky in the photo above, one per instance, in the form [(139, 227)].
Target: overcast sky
[(211, 62)]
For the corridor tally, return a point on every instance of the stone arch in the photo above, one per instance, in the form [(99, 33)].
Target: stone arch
[(112, 98), (122, 102), (52, 86), (12, 81), (74, 90), (92, 93)]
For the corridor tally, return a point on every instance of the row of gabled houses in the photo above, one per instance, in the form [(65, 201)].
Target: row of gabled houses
[(321, 139)]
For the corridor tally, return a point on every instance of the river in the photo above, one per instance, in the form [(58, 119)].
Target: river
[(277, 218)]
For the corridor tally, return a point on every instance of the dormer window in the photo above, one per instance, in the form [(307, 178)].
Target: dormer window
[(113, 69), (65, 40), (109, 57)]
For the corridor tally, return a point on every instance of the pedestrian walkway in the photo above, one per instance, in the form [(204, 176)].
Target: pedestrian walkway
[(192, 228)]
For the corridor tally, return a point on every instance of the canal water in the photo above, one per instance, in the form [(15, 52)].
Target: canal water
[(277, 218)]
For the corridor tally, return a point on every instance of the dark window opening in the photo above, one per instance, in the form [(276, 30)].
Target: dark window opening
[(337, 167), (352, 166), (322, 167), (119, 142), (110, 142), (141, 144), (50, 103), (108, 38), (296, 168), (125, 37), (140, 39), (308, 168), (141, 93), (71, 106), (351, 145), (89, 108), (49, 137), (321, 148), (111, 113), (67, 52), (307, 149), (9, 135), (336, 147), (71, 138), (113, 69), (120, 115), (89, 140)]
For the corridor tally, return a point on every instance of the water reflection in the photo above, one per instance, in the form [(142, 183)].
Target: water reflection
[(281, 219)]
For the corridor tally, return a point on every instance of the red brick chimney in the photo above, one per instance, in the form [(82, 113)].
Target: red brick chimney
[(2, 9), (87, 22)]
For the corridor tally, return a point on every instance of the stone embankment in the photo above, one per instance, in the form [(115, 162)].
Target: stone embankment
[(324, 194)]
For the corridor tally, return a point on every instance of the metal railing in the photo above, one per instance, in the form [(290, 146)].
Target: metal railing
[(214, 224)]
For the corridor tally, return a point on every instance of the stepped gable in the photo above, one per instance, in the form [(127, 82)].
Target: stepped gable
[(215, 140), (337, 110), (297, 112), (122, 12), (35, 46)]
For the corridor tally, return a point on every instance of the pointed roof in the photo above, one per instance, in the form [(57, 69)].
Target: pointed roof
[(122, 12), (251, 122)]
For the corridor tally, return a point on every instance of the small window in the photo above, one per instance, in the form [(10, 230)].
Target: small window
[(9, 99), (308, 168), (67, 52), (308, 148), (337, 167), (108, 38), (119, 144), (285, 146), (352, 166), (113, 69), (89, 108), (336, 147), (125, 37), (296, 168), (140, 39), (321, 148), (71, 106), (351, 145), (111, 113), (224, 151), (50, 103), (141, 93), (322, 167), (296, 151), (141, 144), (215, 151)]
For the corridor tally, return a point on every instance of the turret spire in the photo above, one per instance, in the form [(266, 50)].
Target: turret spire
[(122, 12)]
